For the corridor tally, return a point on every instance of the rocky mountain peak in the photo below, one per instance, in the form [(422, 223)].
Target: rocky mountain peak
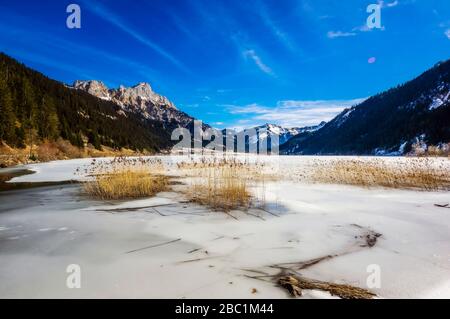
[(140, 96), (139, 99), (93, 87), (139, 93), (143, 86)]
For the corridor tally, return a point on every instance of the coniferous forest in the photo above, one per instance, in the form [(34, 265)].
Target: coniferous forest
[(398, 116), (34, 109)]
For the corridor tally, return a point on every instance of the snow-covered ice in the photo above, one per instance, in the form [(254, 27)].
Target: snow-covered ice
[(184, 250)]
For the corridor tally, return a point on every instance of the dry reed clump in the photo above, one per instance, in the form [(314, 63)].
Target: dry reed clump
[(295, 285), (124, 182), (222, 189), (223, 184), (419, 173)]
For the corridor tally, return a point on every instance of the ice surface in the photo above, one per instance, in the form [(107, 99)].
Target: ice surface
[(209, 254)]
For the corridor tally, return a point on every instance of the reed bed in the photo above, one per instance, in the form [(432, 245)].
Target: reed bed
[(417, 173)]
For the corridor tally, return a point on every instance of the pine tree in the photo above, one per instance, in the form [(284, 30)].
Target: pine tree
[(29, 111), (94, 140), (7, 117), (20, 137), (48, 119)]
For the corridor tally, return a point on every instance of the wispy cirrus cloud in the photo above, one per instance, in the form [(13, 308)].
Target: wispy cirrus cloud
[(43, 60), (365, 28), (107, 15), (181, 26), (447, 33), (392, 4), (91, 51), (292, 113), (230, 28), (249, 51), (282, 36), (340, 34), (51, 44), (258, 61)]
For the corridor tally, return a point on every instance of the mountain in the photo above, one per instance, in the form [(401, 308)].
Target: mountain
[(35, 108), (387, 123), (140, 100), (276, 132), (259, 135)]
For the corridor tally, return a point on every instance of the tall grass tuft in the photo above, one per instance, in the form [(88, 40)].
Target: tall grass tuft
[(126, 183), (221, 189), (223, 184)]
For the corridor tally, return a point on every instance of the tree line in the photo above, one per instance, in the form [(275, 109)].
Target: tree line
[(34, 108)]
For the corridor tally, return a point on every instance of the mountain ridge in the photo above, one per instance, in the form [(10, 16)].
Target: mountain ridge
[(390, 122), (35, 107), (139, 99), (269, 130)]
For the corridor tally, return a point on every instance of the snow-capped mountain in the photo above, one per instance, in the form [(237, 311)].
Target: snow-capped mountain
[(139, 99), (284, 134), (276, 134), (387, 123)]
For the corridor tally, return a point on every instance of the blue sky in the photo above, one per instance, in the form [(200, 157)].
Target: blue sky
[(234, 63)]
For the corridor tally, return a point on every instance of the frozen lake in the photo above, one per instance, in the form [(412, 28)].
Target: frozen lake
[(163, 247)]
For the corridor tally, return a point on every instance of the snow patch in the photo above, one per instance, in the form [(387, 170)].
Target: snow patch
[(438, 101)]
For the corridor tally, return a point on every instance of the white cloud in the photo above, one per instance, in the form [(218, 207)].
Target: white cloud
[(388, 4), (259, 63), (241, 125), (249, 108), (447, 33), (340, 34), (365, 28), (292, 113)]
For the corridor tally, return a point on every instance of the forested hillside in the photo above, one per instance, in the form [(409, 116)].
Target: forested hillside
[(390, 122), (34, 108)]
